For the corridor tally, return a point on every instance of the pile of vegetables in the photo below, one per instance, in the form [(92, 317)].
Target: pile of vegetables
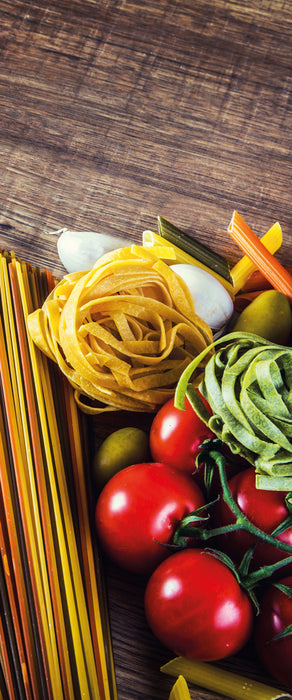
[(202, 506)]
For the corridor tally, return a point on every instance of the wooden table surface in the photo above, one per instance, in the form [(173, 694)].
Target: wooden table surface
[(116, 111)]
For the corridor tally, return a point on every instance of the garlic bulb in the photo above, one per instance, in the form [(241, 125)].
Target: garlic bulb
[(79, 250), (211, 300)]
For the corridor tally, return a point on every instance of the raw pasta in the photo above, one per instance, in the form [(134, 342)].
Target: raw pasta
[(123, 332)]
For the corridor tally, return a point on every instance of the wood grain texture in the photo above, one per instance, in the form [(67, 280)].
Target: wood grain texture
[(115, 111)]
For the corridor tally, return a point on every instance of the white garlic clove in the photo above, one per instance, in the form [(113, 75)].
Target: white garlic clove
[(211, 300), (79, 250)]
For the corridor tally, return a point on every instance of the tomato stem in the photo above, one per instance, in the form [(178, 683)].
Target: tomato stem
[(264, 572), (242, 523)]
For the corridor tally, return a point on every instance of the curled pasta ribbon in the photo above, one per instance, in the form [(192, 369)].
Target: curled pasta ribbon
[(123, 332), (248, 384)]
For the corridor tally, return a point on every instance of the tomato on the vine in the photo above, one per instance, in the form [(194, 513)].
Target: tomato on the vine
[(138, 511), (265, 509), (195, 606), (274, 617), (175, 436)]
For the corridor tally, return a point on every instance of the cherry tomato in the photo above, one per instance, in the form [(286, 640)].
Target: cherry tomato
[(195, 606), (274, 616), (175, 436), (265, 509), (138, 511)]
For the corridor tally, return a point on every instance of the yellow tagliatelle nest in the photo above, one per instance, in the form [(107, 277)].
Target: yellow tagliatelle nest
[(121, 333)]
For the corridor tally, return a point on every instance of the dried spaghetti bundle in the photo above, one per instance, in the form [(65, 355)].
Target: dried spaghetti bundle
[(123, 332), (54, 628)]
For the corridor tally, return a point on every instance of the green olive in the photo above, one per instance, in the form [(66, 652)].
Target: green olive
[(120, 449), (268, 315)]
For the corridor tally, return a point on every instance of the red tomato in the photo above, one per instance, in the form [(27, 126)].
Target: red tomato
[(195, 606), (175, 436), (175, 439), (138, 512), (275, 615), (265, 509)]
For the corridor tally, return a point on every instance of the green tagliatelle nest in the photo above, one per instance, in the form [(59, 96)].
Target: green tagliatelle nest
[(248, 385)]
